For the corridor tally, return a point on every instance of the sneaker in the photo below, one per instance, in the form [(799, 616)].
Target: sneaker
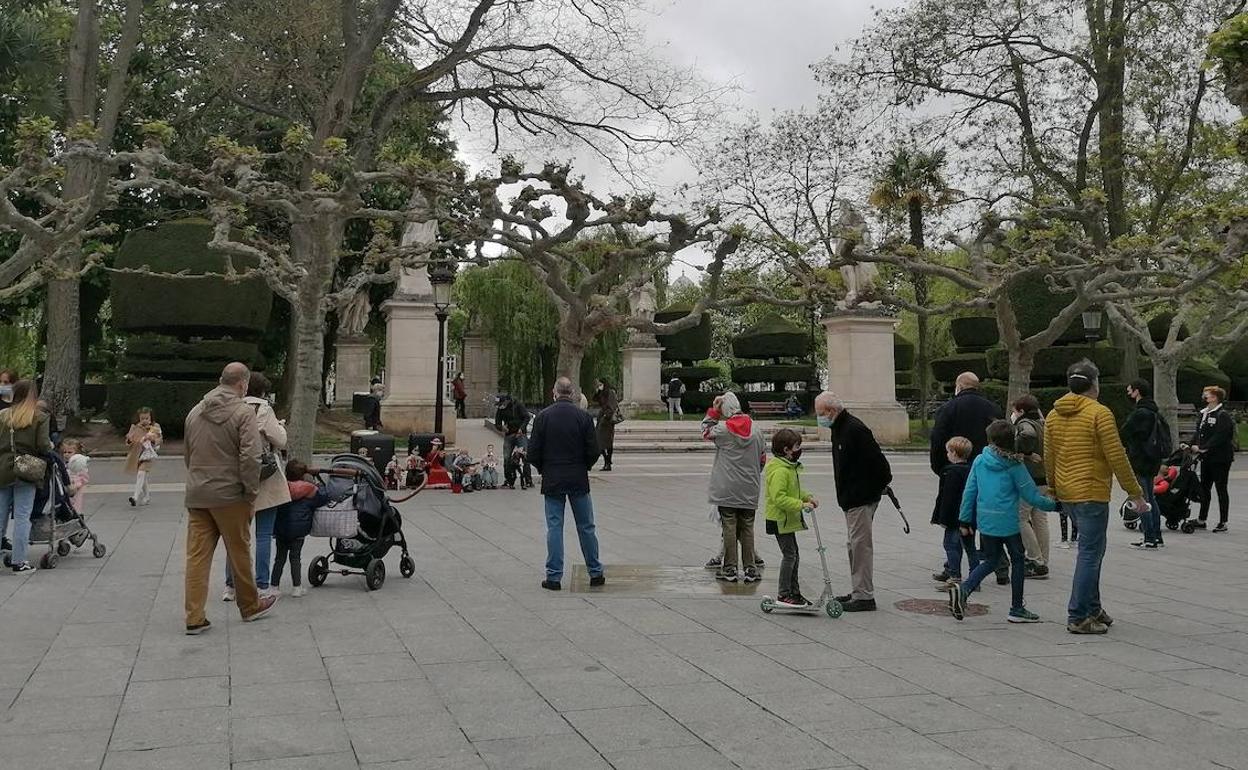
[(597, 580), (1150, 546), (1201, 524), (228, 594), (132, 503), (1064, 545), (198, 628), (1037, 571), (1022, 615), (715, 562), (298, 591), (1221, 527), (1141, 544), (957, 602), (803, 601), (758, 562), (1103, 618), (23, 567), (791, 601), (551, 585), (859, 605), (727, 574), (270, 591), (950, 583), (1087, 626), (1160, 543), (750, 576), (941, 577), (266, 606)]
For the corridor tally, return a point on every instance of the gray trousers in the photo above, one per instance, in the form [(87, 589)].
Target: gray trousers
[(861, 550)]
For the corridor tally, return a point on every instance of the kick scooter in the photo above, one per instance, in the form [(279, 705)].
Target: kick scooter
[(827, 600)]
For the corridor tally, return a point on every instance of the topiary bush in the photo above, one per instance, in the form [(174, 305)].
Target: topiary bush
[(185, 306), (689, 345), (148, 346), (170, 400), (172, 369), (903, 378), (1051, 363), (1195, 376), (903, 353), (974, 334), (1234, 362), (688, 374), (907, 393), (946, 370), (773, 337), (773, 373), (1159, 327), (696, 401), (1036, 307)]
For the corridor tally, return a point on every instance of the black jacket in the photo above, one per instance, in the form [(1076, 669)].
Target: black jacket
[(1135, 433), (861, 470), (967, 414), (511, 418), (949, 498), (563, 448), (1215, 435), (294, 520)]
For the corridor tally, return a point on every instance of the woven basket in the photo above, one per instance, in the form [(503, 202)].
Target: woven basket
[(342, 521)]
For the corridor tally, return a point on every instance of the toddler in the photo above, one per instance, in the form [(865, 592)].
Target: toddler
[(465, 471), (785, 503), (948, 505), (294, 522), (489, 468), (143, 438), (76, 464)]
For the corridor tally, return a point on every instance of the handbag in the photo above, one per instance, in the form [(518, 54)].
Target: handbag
[(617, 417), (270, 463), (27, 468)]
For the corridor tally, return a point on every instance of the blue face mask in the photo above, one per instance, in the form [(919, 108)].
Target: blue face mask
[(824, 421)]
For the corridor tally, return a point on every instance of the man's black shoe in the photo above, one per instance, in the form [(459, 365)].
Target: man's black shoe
[(859, 605), (551, 585), (1037, 571), (846, 599), (598, 581)]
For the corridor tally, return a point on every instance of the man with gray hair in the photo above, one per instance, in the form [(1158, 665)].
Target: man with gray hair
[(862, 474), (563, 447), (222, 455)]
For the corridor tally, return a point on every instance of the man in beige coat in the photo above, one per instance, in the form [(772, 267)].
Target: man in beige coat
[(223, 447)]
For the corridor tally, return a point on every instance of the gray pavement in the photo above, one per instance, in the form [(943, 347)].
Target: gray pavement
[(471, 665)]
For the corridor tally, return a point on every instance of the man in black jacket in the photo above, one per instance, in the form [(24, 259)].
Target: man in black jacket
[(1146, 460), (968, 413), (563, 448), (862, 474), (511, 418)]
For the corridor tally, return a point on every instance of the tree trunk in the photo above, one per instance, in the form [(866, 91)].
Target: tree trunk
[(569, 363), (914, 209), (315, 246), (1166, 391), (1127, 340), (925, 366), (63, 370), (1111, 121), (1021, 361)]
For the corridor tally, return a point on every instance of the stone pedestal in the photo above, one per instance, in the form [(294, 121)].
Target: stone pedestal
[(861, 372), (480, 367), (412, 361), (642, 379), (352, 368)]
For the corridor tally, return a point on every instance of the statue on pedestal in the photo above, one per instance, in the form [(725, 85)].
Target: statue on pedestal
[(859, 277), (353, 316), (642, 305)]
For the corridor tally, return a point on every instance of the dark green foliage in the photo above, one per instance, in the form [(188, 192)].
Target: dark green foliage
[(170, 399), (184, 307), (773, 337), (1239, 387), (1051, 363), (903, 353), (204, 350), (946, 370), (1235, 360), (1159, 327), (1035, 307), (773, 373), (974, 334), (907, 393), (904, 378), (696, 401), (693, 344), (93, 397), (172, 369), (1113, 395), (1195, 376)]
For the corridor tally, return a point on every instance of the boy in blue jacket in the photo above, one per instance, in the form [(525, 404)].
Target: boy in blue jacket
[(998, 480)]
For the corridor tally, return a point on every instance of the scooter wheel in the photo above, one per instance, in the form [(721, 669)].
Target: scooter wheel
[(767, 605), (834, 609)]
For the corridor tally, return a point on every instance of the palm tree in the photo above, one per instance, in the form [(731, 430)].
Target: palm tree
[(28, 59), (913, 182)]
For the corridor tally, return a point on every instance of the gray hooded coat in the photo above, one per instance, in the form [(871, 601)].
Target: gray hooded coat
[(739, 455)]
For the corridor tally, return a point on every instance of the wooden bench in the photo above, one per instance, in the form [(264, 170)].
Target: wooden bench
[(1188, 418), (767, 408)]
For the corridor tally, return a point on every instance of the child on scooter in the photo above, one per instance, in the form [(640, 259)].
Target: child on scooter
[(785, 503)]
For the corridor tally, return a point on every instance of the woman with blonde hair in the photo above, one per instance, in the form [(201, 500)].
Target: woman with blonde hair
[(23, 443)]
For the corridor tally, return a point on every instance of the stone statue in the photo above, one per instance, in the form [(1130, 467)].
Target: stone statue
[(642, 305), (859, 277), (353, 316)]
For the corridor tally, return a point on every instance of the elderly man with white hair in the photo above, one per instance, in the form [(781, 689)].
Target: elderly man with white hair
[(862, 474)]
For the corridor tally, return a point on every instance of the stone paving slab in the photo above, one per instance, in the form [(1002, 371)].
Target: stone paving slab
[(470, 666)]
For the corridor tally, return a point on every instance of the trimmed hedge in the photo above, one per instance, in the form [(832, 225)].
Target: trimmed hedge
[(1051, 363), (974, 334), (690, 374), (771, 338), (946, 370), (903, 378), (696, 401), (1159, 327), (693, 344), (903, 353), (203, 350), (1239, 388), (170, 401), (175, 369), (185, 306), (1113, 395), (1035, 307), (1235, 360), (774, 373), (1195, 376), (93, 397), (907, 393)]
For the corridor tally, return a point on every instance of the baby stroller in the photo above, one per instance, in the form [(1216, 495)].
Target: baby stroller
[(1178, 488), (60, 526), (361, 522)]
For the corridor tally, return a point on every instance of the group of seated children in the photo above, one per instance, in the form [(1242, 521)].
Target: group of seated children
[(461, 473)]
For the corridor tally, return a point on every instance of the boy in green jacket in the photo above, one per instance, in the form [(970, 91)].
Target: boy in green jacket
[(785, 502)]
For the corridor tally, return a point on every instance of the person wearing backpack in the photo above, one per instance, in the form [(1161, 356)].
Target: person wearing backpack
[(675, 392), (1033, 522), (1146, 437)]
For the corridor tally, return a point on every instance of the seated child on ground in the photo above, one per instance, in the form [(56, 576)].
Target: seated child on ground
[(948, 506), (489, 468), (294, 522), (464, 471)]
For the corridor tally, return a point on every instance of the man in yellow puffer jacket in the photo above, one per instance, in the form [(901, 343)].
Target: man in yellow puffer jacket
[(1081, 453)]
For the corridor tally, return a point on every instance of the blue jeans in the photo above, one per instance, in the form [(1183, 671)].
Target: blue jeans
[(19, 498), (1150, 523), (993, 550), (954, 548), (583, 513), (1085, 592), (264, 546)]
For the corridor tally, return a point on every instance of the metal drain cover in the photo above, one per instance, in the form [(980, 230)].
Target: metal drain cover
[(937, 607)]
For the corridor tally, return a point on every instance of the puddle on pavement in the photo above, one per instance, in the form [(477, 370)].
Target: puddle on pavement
[(937, 607), (654, 579)]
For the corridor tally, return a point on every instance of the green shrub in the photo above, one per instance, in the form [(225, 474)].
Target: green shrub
[(1159, 327), (170, 369), (974, 334), (1036, 307), (907, 393), (693, 344), (148, 346), (903, 353), (185, 306), (692, 376), (1051, 363), (773, 373), (1239, 387), (903, 378), (946, 370), (696, 401), (1235, 360), (771, 338), (170, 401), (1195, 376)]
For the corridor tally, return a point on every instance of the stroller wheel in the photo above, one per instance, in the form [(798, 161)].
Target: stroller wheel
[(1172, 525), (1131, 524), (407, 566), (1187, 527), (63, 548), (375, 574), (318, 570), (98, 550), (48, 561)]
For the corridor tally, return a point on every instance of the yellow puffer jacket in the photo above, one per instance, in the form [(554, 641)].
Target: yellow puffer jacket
[(1081, 448)]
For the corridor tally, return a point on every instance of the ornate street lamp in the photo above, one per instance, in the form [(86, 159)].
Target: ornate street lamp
[(1092, 324), (442, 277)]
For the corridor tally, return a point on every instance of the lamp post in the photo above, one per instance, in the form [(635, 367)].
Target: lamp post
[(1092, 324), (441, 277)]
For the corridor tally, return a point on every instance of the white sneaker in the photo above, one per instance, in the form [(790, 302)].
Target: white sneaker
[(270, 591), (298, 591), (228, 595), (1064, 545)]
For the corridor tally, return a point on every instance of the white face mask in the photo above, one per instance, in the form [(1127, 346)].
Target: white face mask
[(6, 392)]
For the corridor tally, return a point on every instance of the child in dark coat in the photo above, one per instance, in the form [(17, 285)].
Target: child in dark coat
[(945, 513), (294, 522)]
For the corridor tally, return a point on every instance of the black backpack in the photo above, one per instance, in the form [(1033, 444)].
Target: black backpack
[(1158, 446)]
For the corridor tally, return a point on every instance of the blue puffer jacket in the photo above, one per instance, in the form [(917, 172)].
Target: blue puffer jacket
[(294, 520), (993, 490)]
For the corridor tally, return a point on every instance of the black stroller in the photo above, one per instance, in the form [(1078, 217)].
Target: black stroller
[(361, 522), (55, 522), (1181, 485)]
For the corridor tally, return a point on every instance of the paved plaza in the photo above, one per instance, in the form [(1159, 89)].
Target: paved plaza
[(469, 665)]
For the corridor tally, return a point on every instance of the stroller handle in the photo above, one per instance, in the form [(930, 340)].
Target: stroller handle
[(353, 473)]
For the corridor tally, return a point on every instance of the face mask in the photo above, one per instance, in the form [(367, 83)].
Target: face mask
[(824, 421), (6, 391), (795, 455)]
